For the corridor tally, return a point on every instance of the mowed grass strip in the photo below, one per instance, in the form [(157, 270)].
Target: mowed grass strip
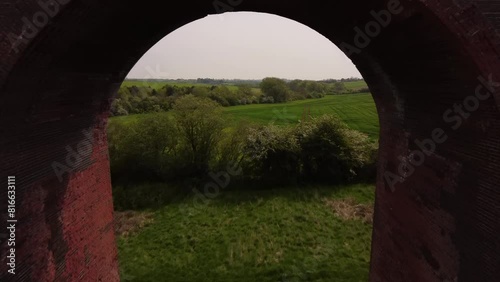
[(276, 235)]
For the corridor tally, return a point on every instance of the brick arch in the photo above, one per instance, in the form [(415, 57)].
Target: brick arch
[(440, 224)]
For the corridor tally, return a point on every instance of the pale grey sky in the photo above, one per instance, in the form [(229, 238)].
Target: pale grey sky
[(244, 45)]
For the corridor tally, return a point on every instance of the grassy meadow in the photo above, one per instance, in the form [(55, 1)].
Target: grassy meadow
[(283, 235), (354, 85)]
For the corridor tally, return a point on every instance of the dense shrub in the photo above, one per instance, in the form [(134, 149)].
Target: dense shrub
[(143, 149), (163, 147), (141, 98), (272, 154), (322, 150), (231, 146), (331, 152), (192, 142)]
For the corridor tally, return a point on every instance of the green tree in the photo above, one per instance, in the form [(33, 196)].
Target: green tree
[(245, 91), (201, 91), (276, 88), (143, 149), (339, 88), (200, 123)]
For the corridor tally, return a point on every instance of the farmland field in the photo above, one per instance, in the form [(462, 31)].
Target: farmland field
[(357, 110), (353, 85)]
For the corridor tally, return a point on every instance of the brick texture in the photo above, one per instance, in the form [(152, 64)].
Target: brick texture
[(56, 86)]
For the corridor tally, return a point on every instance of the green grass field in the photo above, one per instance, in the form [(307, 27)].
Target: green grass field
[(353, 85), (357, 110), (266, 236)]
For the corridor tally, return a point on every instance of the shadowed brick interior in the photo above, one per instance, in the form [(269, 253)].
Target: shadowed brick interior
[(441, 224)]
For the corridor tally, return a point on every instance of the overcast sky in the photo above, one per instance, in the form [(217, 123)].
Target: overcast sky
[(244, 45)]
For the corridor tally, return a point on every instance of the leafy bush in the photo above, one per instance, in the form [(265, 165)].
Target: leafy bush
[(331, 152), (272, 154), (189, 144), (142, 149), (231, 146), (322, 150)]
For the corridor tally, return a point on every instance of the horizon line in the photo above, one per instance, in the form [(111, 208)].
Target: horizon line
[(137, 78)]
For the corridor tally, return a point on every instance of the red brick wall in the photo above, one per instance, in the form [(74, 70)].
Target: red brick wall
[(441, 224)]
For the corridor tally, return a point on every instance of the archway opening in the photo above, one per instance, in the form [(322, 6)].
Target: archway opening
[(436, 221), (292, 133)]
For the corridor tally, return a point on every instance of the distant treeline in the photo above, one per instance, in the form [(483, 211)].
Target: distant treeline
[(351, 79), (252, 82), (141, 98)]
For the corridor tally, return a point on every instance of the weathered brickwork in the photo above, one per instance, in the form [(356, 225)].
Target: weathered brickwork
[(56, 84)]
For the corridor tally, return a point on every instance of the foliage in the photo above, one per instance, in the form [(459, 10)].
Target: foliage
[(199, 122), (272, 154), (323, 150), (127, 137), (143, 148), (331, 151), (231, 146), (193, 142), (339, 88), (139, 97), (275, 88), (166, 147)]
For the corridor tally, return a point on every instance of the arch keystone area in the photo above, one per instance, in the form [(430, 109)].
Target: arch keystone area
[(432, 66)]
